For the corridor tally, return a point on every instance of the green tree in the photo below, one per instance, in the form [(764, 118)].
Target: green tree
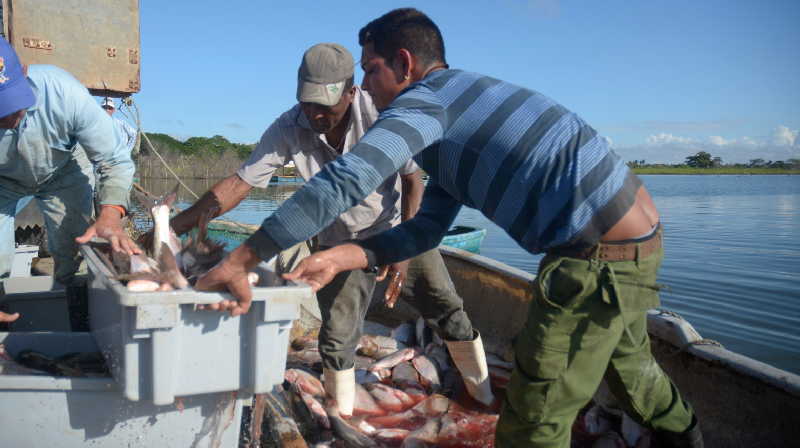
[(700, 160)]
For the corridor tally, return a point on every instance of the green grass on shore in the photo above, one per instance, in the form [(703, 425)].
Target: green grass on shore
[(720, 170)]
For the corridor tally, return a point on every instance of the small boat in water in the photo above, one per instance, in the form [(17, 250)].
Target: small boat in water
[(286, 180), (465, 238), (461, 237)]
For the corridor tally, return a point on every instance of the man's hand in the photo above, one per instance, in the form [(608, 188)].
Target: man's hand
[(231, 274), (109, 226), (5, 317), (397, 273), (320, 268)]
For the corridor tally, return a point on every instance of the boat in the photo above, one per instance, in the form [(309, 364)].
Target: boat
[(740, 402), (286, 180), (465, 238), (461, 237)]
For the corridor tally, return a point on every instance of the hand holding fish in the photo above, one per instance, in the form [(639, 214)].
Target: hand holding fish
[(231, 274), (320, 268), (397, 276), (109, 226)]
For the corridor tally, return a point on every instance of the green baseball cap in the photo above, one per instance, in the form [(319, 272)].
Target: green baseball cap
[(323, 73)]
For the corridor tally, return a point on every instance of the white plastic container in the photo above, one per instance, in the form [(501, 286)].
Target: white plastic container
[(160, 347), (23, 260), (43, 410)]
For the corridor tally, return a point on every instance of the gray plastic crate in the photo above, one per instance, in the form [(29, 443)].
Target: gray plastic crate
[(43, 410), (40, 301), (159, 346)]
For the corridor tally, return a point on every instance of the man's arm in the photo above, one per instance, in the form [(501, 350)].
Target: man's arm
[(224, 195), (422, 233)]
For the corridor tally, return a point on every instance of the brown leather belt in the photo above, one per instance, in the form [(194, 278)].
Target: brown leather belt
[(613, 251)]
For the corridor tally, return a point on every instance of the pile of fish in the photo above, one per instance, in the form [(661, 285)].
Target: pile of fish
[(409, 394), (168, 264), (30, 362)]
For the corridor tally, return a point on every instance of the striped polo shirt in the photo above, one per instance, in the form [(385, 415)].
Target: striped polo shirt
[(530, 165)]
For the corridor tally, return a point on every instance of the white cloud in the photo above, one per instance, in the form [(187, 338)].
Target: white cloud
[(783, 136), (782, 144), (666, 139), (717, 140)]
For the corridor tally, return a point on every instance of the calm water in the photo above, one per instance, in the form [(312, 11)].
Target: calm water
[(732, 260)]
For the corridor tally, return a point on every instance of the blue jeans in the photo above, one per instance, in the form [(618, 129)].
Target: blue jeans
[(65, 201)]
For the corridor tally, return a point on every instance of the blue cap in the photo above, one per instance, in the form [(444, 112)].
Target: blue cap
[(15, 92)]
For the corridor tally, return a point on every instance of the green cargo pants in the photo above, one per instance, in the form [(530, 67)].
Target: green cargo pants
[(588, 319)]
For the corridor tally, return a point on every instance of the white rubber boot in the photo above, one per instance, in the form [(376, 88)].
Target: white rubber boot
[(470, 359), (341, 386)]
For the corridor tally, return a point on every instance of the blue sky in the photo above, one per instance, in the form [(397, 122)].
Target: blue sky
[(661, 79)]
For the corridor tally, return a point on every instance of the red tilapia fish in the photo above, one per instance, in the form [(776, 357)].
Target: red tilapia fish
[(410, 397)]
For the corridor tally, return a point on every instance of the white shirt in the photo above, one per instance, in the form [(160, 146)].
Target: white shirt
[(291, 139)]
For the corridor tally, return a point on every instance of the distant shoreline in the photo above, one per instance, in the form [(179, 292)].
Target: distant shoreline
[(721, 170)]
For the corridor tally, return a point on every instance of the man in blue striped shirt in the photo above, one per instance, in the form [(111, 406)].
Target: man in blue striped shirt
[(540, 173)]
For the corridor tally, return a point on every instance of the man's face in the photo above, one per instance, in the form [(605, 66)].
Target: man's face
[(11, 121), (380, 79), (109, 110), (324, 118)]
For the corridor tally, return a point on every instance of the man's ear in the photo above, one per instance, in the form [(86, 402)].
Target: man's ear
[(403, 64), (24, 69)]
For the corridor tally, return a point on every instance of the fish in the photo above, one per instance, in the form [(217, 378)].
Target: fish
[(391, 436), (165, 264), (315, 408), (9, 366), (424, 436), (432, 407), (364, 376), (365, 404), (405, 375), (467, 429), (305, 381), (428, 374), (377, 346), (389, 398), (201, 253), (438, 354), (353, 437), (394, 359)]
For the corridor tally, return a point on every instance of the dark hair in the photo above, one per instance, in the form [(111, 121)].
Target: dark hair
[(406, 28), (348, 83)]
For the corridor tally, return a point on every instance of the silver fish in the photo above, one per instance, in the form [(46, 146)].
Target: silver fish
[(395, 358), (428, 375)]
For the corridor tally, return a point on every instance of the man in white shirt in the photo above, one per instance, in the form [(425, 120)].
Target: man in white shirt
[(331, 116)]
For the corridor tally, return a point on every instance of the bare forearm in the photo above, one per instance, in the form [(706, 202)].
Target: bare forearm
[(224, 196)]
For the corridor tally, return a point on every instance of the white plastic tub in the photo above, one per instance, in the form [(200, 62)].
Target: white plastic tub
[(159, 347)]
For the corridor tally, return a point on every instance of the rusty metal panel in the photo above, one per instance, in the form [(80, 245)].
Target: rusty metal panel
[(95, 40)]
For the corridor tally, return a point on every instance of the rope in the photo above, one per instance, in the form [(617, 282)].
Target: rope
[(130, 103)]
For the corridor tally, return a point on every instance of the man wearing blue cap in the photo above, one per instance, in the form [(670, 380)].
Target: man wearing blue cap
[(44, 114)]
